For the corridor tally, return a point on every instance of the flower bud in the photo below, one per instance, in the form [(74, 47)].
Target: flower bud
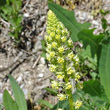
[(52, 68), (61, 97), (60, 60), (61, 49)]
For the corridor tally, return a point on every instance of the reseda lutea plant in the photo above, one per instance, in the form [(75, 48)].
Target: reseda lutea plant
[(63, 62)]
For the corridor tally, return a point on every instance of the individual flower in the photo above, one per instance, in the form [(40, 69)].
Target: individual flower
[(65, 32), (59, 73), (59, 109), (48, 57), (52, 34), (76, 58), (68, 85), (46, 37), (55, 85), (78, 104), (58, 31), (61, 49), (70, 55), (57, 37), (70, 70), (48, 31), (60, 26), (59, 76), (79, 85), (49, 46), (52, 68), (70, 42), (52, 54), (61, 97), (77, 76), (54, 45), (63, 39), (49, 39), (60, 60)]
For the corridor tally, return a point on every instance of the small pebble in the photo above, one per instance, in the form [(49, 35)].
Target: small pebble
[(26, 15), (25, 91), (41, 75), (19, 79), (95, 22), (1, 97), (42, 60)]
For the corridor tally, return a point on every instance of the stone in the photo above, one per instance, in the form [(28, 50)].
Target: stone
[(19, 79), (26, 15), (42, 60), (95, 22)]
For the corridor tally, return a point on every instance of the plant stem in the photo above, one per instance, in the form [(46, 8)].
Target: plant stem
[(68, 92)]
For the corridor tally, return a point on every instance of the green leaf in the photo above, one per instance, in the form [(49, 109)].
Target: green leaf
[(46, 103), (50, 90), (68, 19), (61, 104), (43, 54), (93, 87), (8, 101), (88, 38), (18, 94), (104, 66), (93, 75), (43, 43), (104, 23)]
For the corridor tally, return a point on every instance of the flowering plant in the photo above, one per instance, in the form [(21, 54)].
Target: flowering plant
[(63, 62)]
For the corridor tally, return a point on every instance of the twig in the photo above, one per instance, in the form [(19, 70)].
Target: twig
[(36, 62), (5, 22), (26, 5), (44, 78), (11, 71)]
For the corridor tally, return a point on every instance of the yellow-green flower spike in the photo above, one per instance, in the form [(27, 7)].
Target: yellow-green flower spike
[(63, 62)]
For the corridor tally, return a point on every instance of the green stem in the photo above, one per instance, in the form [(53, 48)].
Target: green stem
[(69, 92)]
